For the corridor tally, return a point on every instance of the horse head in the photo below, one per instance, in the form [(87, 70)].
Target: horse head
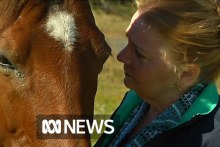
[(51, 53)]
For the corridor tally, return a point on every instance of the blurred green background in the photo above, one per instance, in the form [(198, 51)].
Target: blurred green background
[(112, 17)]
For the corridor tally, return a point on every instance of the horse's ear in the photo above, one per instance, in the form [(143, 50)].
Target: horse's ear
[(100, 47)]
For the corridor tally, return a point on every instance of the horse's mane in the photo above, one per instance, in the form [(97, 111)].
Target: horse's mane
[(10, 10)]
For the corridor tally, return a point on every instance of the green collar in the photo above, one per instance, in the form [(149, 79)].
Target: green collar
[(204, 104), (128, 104)]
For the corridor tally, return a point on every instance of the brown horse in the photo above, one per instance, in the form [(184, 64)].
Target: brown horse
[(51, 53)]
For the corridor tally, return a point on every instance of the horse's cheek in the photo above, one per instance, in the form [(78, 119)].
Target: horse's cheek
[(14, 108)]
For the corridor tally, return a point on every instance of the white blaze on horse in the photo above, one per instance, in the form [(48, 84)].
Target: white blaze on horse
[(51, 53)]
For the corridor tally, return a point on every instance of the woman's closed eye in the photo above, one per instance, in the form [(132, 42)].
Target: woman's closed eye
[(138, 54)]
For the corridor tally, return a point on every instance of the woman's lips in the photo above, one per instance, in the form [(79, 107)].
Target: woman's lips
[(126, 72)]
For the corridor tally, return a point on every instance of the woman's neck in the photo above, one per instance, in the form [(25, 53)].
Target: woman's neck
[(161, 102)]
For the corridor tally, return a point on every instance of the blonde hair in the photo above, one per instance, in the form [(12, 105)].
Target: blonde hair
[(193, 29)]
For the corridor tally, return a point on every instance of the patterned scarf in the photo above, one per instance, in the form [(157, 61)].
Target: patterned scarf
[(164, 122)]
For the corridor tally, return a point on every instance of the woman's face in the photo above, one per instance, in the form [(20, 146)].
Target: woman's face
[(147, 68)]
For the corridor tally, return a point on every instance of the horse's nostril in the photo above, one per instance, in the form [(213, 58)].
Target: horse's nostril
[(13, 130)]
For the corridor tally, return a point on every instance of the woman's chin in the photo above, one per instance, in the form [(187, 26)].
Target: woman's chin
[(128, 82)]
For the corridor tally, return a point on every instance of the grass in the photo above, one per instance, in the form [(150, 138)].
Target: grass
[(218, 84)]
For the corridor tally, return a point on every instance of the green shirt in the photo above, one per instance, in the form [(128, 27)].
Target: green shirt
[(203, 105)]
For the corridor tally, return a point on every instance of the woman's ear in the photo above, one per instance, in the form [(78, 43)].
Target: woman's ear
[(188, 76)]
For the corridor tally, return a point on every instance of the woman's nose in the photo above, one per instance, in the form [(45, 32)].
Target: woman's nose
[(124, 56)]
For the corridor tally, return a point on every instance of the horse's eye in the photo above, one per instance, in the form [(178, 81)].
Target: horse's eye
[(5, 63)]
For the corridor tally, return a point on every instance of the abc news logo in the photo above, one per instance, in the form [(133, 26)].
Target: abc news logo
[(60, 127)]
